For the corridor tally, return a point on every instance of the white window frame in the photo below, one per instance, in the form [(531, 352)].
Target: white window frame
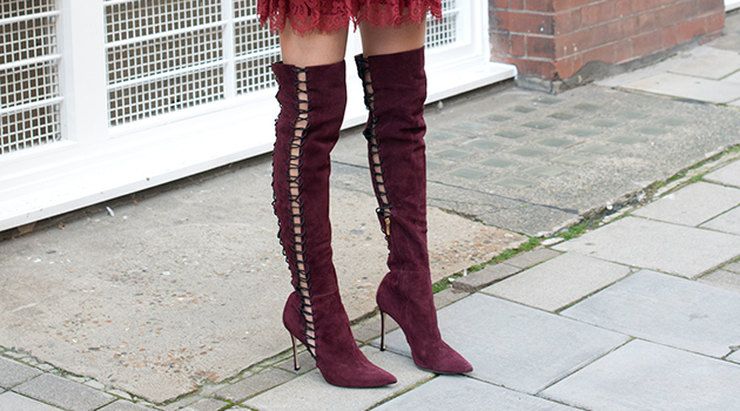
[(95, 162)]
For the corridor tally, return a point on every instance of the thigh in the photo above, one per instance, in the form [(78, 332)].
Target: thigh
[(314, 47), (386, 39)]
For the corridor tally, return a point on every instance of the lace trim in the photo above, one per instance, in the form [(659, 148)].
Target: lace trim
[(330, 15)]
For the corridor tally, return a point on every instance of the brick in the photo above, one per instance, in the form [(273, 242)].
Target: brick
[(540, 46), (523, 22), (540, 5)]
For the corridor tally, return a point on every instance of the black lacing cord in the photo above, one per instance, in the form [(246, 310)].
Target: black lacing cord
[(376, 170), (295, 162)]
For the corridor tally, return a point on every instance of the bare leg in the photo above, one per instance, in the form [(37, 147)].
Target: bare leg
[(310, 49), (391, 39), (314, 48)]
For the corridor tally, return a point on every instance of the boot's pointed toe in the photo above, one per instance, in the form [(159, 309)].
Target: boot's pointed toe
[(395, 91), (312, 101), (445, 360)]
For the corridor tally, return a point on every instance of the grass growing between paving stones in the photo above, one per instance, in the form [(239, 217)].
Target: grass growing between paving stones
[(445, 283), (686, 171)]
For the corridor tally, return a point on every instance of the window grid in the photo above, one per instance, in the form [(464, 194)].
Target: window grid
[(255, 48), (162, 95), (28, 128), (139, 18), (154, 47), (17, 8), (28, 84), (29, 80), (245, 8), (440, 33), (27, 39), (162, 56)]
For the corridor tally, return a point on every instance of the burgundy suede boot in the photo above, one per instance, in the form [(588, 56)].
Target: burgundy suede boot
[(312, 101), (395, 89)]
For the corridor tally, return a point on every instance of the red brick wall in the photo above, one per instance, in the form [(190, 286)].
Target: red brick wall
[(552, 39)]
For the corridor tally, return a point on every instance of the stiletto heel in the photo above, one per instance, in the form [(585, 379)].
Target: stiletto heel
[(296, 367), (395, 89), (382, 331), (312, 103)]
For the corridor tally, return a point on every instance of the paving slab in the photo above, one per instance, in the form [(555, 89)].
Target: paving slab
[(723, 278), (206, 404), (734, 267), (666, 309), (708, 62), (514, 346), (63, 393), (257, 383), (600, 144), (647, 376), (10, 401), (693, 204), (734, 357), (462, 393), (729, 174), (13, 373), (728, 222), (109, 296), (488, 275), (311, 392), (558, 282), (671, 248), (122, 405), (688, 87), (530, 258)]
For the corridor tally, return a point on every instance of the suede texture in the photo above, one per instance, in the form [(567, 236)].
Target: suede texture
[(337, 356), (405, 293)]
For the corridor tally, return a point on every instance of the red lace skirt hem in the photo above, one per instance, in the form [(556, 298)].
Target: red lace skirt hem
[(330, 15)]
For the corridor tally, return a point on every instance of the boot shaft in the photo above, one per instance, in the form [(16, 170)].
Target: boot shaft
[(312, 101), (395, 91)]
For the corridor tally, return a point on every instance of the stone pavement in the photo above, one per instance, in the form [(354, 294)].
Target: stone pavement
[(638, 313), (173, 296)]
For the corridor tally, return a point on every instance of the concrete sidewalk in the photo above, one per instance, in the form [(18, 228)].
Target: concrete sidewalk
[(172, 297), (640, 313)]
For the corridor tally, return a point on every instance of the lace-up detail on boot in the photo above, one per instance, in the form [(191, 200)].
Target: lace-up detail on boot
[(303, 283), (312, 103), (376, 163), (395, 92)]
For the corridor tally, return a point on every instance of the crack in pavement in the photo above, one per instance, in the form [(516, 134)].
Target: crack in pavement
[(501, 196)]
